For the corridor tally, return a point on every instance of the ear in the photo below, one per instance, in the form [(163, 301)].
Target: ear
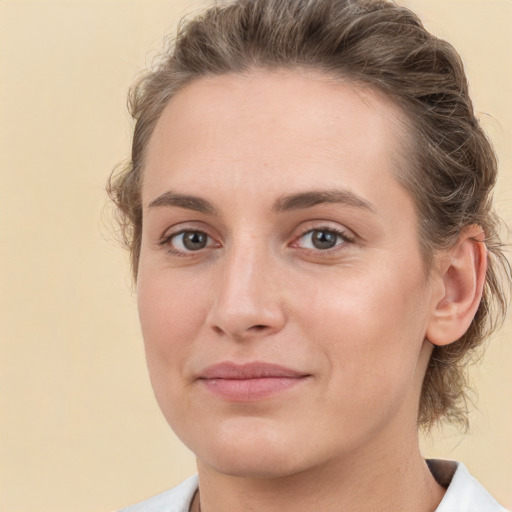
[(462, 272)]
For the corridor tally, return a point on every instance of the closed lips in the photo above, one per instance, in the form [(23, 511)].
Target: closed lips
[(249, 382), (255, 370)]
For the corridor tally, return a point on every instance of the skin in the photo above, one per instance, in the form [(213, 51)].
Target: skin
[(353, 318)]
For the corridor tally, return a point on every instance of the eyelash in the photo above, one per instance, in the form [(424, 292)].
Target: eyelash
[(343, 238), (342, 235), (166, 241)]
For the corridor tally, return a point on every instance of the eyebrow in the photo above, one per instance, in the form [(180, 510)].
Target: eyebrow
[(298, 201), (183, 201), (303, 200)]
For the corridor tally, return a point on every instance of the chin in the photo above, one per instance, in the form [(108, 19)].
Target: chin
[(253, 464), (249, 448)]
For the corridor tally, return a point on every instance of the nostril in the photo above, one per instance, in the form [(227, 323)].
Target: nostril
[(217, 329), (258, 327), (240, 335)]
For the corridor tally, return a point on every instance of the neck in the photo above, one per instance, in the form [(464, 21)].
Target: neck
[(373, 479)]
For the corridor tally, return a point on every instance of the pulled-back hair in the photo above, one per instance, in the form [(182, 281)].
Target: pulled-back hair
[(376, 43)]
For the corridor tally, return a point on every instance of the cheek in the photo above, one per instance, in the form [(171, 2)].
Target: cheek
[(171, 313), (370, 328)]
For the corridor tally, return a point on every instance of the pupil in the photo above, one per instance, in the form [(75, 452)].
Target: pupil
[(324, 239), (194, 240)]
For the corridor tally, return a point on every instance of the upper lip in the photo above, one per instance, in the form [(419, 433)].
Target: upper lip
[(254, 370)]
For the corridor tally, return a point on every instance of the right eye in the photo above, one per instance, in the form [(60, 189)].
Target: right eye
[(189, 241)]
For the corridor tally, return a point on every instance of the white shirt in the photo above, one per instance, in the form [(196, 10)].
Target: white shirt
[(464, 493)]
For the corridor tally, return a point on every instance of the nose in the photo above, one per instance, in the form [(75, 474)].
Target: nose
[(247, 300)]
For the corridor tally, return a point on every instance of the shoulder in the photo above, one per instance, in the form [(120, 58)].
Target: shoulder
[(463, 492), (176, 499)]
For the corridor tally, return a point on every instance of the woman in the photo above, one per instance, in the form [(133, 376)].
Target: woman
[(309, 217)]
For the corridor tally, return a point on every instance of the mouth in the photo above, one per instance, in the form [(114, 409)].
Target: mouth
[(249, 382)]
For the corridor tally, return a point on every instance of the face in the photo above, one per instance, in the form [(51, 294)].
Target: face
[(282, 294)]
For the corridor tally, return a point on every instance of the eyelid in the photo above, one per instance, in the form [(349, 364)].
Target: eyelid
[(181, 227), (185, 227), (346, 235), (323, 225), (167, 238)]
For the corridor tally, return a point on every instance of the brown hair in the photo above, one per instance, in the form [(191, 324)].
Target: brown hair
[(369, 42)]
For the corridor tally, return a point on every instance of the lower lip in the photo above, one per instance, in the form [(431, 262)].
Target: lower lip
[(248, 390)]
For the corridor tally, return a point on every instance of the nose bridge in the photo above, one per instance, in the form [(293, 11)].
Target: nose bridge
[(247, 299)]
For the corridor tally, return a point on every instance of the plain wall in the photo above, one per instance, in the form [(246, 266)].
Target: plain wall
[(79, 428)]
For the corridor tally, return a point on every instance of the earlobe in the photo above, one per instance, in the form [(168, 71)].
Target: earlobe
[(463, 278)]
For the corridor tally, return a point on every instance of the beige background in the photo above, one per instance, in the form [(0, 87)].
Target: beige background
[(79, 429)]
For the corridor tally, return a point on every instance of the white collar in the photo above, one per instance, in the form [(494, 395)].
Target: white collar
[(463, 494)]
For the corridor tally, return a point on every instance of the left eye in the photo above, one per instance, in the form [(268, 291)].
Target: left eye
[(190, 241), (321, 239)]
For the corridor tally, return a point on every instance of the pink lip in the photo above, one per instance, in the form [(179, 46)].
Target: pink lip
[(249, 382)]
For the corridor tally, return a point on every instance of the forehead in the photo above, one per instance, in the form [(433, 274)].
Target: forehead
[(287, 125)]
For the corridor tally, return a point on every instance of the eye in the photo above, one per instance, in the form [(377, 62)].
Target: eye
[(187, 241), (322, 239)]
